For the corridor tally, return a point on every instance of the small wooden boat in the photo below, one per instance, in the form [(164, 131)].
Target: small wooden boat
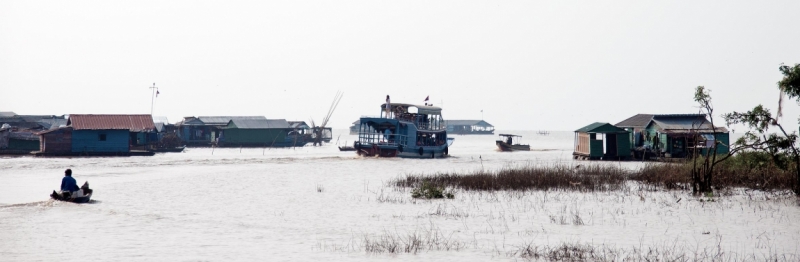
[(347, 148), (168, 149), (507, 143), (66, 196)]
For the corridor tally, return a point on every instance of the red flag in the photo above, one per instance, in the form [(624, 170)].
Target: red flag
[(426, 98)]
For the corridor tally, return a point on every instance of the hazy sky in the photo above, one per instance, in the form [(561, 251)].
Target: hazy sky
[(555, 65)]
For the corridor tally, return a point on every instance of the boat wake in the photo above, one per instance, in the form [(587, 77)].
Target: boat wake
[(46, 204)]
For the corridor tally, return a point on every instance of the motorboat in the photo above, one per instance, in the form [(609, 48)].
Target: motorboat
[(506, 143), (69, 197)]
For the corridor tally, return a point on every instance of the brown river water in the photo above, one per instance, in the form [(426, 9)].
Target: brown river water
[(316, 203)]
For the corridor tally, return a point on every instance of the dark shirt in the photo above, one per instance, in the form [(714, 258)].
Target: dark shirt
[(68, 184)]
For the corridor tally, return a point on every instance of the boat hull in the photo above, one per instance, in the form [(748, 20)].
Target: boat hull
[(83, 199), (169, 149), (397, 151), (347, 148)]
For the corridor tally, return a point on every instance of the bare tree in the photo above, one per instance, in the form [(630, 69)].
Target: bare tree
[(780, 146)]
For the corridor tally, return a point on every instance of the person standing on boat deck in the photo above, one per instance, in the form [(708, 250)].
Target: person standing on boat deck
[(68, 184), (388, 106)]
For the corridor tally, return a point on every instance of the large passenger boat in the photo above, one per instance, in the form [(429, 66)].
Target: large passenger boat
[(404, 130)]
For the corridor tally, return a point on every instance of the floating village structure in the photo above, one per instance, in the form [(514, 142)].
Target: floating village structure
[(602, 141), (205, 130), (18, 133), (354, 127), (299, 126), (674, 135), (469, 127), (260, 133), (684, 135), (100, 135)]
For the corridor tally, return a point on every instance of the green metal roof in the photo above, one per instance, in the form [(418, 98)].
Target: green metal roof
[(603, 128)]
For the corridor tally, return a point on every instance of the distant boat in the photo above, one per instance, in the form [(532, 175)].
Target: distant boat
[(404, 130), (544, 132), (168, 149), (506, 143), (346, 147)]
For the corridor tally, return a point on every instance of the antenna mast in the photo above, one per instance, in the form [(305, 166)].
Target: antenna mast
[(152, 97)]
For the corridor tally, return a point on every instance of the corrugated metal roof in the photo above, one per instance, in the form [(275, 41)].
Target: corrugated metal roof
[(466, 123), (639, 120), (259, 123), (298, 124), (24, 135), (52, 123), (642, 120), (159, 126), (134, 123), (600, 127), (685, 123), (54, 130), (160, 119), (220, 120)]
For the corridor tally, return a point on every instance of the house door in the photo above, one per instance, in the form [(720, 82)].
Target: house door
[(611, 145)]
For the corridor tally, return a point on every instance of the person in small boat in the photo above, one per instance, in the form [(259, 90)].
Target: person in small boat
[(68, 184), (508, 140)]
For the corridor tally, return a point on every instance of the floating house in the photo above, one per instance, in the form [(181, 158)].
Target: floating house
[(299, 126), (469, 127), (684, 135), (99, 135), (40, 122), (674, 135), (163, 127), (18, 133), (260, 133), (56, 142), (602, 141), (205, 130), (311, 132), (354, 128), (16, 141)]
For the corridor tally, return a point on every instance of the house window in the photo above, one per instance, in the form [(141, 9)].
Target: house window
[(101, 137)]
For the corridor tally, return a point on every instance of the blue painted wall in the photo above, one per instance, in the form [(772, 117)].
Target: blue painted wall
[(89, 141)]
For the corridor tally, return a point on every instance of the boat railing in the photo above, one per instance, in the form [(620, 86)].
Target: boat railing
[(375, 138), (422, 122)]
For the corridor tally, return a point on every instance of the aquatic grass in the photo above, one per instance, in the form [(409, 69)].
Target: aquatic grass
[(429, 191), (739, 171), (526, 177), (411, 242), (666, 252)]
